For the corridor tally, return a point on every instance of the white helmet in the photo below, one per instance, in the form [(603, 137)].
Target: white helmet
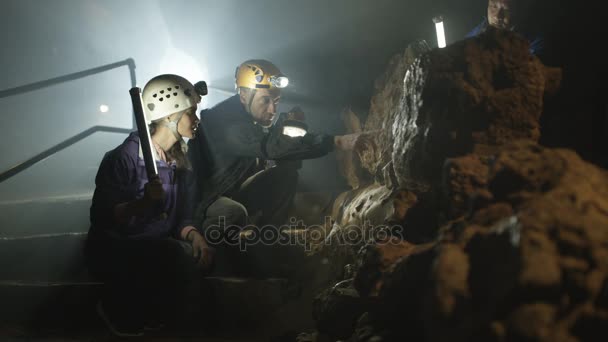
[(167, 94)]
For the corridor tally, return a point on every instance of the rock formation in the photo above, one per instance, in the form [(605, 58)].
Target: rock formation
[(486, 234)]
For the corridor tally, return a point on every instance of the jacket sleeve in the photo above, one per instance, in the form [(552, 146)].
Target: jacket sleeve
[(312, 145), (188, 197), (245, 139), (115, 183)]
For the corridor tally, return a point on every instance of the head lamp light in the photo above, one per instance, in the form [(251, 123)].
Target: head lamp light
[(279, 81)]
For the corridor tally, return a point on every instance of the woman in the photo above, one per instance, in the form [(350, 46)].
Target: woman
[(142, 242)]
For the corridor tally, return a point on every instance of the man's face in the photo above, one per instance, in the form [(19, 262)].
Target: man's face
[(499, 13), (264, 106)]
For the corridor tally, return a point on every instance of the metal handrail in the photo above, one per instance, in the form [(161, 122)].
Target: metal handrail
[(78, 137), (71, 77)]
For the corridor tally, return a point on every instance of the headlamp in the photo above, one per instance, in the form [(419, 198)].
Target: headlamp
[(294, 128), (201, 88), (279, 81)]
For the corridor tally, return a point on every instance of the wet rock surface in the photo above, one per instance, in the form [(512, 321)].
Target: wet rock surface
[(500, 239)]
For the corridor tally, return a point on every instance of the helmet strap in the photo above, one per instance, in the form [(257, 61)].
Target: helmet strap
[(172, 125), (253, 91)]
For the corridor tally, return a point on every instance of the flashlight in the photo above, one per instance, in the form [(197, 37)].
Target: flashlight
[(294, 128), (279, 81), (438, 20)]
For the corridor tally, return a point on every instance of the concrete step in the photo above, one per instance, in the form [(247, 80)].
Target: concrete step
[(44, 282), (70, 214), (237, 306), (62, 214), (60, 257), (43, 239), (48, 303), (50, 258)]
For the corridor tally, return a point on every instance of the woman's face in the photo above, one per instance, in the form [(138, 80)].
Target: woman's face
[(188, 124)]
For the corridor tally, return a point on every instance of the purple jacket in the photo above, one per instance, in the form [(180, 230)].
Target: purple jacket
[(121, 178)]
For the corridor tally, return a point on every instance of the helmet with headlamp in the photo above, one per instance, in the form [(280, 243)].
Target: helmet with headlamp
[(259, 74), (168, 94)]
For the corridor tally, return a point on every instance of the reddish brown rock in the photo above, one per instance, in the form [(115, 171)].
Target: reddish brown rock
[(376, 260), (524, 255), (349, 162), (473, 96), (532, 322), (432, 105), (505, 270), (465, 178), (470, 97)]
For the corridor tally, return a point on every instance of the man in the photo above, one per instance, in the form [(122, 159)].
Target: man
[(237, 141), (509, 15)]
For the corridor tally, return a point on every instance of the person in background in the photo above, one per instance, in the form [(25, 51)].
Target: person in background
[(510, 15)]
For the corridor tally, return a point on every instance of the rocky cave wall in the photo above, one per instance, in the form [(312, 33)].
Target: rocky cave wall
[(460, 226)]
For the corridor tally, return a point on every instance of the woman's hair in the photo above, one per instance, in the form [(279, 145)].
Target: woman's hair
[(176, 152)]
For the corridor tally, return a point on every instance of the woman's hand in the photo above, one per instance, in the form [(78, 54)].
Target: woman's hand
[(153, 191), (153, 194), (200, 249)]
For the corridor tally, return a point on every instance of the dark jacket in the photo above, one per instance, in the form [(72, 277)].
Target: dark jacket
[(121, 178), (226, 152), (536, 41)]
